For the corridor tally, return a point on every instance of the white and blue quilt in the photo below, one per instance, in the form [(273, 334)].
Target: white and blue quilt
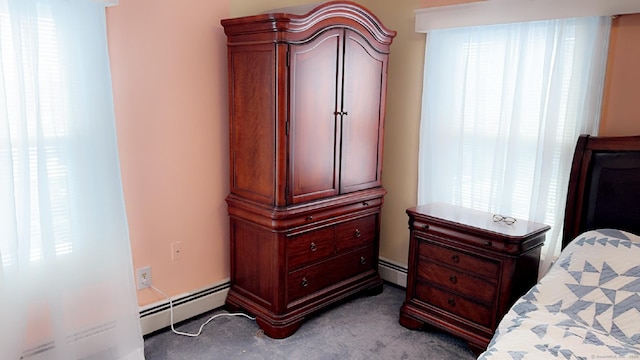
[(586, 307)]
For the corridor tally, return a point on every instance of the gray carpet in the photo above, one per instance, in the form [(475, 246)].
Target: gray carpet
[(363, 328)]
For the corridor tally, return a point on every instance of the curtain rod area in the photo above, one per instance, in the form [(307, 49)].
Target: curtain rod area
[(490, 12)]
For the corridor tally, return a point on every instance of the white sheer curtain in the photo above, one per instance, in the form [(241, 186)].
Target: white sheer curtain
[(66, 279), (503, 106)]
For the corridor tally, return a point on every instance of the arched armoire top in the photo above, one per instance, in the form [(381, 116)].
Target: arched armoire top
[(290, 25)]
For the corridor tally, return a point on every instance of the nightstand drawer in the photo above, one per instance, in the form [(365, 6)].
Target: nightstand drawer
[(310, 247), (355, 233), (465, 262), (308, 280), (454, 304), (457, 282)]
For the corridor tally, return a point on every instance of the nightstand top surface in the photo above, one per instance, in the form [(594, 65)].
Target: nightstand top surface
[(476, 220)]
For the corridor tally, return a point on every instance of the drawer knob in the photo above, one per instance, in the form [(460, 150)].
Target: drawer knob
[(362, 260), (455, 259), (313, 247), (453, 279), (425, 227), (451, 302), (309, 218), (365, 203), (357, 233), (487, 243), (304, 282)]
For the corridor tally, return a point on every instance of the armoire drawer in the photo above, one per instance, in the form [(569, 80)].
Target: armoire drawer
[(457, 282), (313, 278), (454, 304), (355, 233), (311, 247), (464, 262)]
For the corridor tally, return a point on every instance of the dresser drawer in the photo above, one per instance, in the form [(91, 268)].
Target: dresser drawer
[(454, 304), (467, 263), (355, 233), (308, 280), (313, 216), (311, 247), (457, 282)]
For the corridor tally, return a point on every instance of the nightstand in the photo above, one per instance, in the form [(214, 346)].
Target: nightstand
[(465, 270)]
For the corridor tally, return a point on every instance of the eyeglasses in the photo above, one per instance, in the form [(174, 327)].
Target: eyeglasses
[(505, 219)]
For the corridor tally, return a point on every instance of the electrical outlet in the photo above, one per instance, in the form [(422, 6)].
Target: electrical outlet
[(143, 277), (176, 250)]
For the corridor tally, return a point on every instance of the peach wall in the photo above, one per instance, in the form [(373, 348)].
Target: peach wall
[(621, 105), (169, 74), (434, 3), (253, 7)]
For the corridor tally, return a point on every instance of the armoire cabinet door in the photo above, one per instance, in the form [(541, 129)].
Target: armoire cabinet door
[(336, 116), (313, 129), (362, 108)]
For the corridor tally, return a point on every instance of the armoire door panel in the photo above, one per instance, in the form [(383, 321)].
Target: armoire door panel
[(362, 122), (252, 130), (314, 157)]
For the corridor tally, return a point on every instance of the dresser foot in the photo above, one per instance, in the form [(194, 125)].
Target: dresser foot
[(278, 331), (374, 290), (410, 322), (232, 308)]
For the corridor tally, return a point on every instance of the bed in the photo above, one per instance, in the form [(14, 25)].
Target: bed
[(587, 306)]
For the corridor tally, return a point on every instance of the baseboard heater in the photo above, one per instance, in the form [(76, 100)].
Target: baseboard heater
[(156, 316), (392, 272)]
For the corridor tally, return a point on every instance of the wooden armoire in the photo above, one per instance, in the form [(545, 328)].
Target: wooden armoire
[(307, 89)]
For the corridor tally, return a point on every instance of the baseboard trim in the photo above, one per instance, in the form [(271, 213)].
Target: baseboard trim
[(392, 272), (156, 316)]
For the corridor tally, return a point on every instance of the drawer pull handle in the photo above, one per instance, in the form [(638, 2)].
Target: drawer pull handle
[(304, 282), (362, 260), (365, 203), (453, 279), (309, 218), (425, 227), (451, 302), (455, 259), (313, 247), (358, 233), (487, 243)]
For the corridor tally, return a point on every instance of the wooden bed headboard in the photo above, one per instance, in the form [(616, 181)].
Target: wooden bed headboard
[(604, 186)]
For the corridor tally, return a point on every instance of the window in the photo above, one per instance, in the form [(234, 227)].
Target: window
[(34, 131), (65, 251), (503, 106)]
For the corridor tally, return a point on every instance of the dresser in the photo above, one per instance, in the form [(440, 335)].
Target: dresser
[(465, 270), (307, 90)]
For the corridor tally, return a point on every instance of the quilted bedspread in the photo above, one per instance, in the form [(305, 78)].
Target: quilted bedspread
[(586, 307)]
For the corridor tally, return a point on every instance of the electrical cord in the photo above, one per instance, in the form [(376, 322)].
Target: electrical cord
[(203, 325)]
